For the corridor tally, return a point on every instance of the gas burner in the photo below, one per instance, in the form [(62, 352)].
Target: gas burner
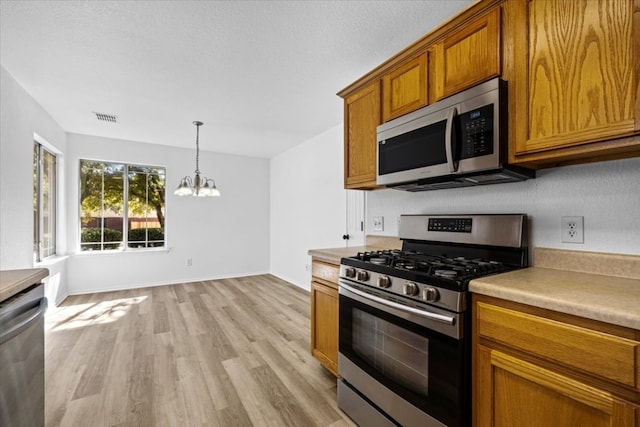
[(453, 271)]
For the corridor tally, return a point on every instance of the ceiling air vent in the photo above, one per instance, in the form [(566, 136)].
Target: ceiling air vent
[(110, 118)]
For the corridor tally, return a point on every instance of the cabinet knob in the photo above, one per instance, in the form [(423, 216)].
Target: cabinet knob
[(345, 237)]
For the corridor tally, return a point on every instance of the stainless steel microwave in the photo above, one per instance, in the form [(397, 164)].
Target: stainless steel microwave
[(459, 141)]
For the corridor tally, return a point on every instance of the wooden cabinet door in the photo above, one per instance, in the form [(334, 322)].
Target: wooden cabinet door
[(518, 393), (468, 56), (404, 89), (324, 324), (582, 349), (361, 118), (576, 68)]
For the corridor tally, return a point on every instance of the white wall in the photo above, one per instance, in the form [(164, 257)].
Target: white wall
[(216, 233), (20, 117), (606, 194), (308, 204), (225, 237)]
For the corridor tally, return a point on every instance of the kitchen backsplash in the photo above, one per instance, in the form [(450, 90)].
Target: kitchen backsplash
[(606, 194)]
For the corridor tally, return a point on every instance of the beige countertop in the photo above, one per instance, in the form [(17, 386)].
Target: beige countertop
[(14, 281), (598, 286), (373, 243), (606, 287), (333, 255)]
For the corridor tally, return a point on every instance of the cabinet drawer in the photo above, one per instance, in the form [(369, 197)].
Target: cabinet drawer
[(328, 272), (604, 355)]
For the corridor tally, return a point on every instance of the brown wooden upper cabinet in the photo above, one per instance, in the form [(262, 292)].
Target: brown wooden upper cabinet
[(575, 85), (468, 49), (467, 56), (572, 69), (404, 89), (361, 118)]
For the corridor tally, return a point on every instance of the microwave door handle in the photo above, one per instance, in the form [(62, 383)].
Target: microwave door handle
[(448, 140)]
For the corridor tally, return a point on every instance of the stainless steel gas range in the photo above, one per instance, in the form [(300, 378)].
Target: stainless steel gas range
[(404, 325)]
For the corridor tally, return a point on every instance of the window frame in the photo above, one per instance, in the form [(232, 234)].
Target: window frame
[(40, 150), (125, 210)]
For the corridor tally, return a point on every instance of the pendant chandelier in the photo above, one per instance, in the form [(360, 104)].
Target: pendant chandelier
[(200, 185)]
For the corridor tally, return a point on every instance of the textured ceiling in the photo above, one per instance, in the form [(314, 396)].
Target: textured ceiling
[(261, 75)]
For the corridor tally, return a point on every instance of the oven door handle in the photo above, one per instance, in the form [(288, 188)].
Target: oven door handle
[(426, 314)]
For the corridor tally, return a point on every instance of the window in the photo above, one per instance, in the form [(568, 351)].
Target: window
[(121, 206), (44, 203)]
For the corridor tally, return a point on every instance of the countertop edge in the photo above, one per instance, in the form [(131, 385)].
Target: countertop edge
[(595, 309), (333, 255), (373, 243), (13, 282)]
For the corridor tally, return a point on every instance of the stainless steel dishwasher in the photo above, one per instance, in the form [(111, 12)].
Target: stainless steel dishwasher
[(22, 358)]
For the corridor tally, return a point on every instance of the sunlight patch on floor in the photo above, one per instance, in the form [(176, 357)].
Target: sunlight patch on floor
[(81, 315)]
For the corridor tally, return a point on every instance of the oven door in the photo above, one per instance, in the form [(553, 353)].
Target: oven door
[(398, 361)]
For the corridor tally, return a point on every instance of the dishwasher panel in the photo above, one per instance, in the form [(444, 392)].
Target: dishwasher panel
[(22, 358)]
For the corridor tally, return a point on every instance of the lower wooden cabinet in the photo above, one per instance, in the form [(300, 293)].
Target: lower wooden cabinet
[(518, 393), (530, 370), (324, 315)]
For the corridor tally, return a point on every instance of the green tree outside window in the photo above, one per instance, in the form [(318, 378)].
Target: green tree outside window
[(121, 206)]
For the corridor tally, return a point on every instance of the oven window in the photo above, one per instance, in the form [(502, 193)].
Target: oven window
[(412, 150), (399, 354)]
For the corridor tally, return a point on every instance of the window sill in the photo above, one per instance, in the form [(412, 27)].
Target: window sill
[(123, 252), (53, 260)]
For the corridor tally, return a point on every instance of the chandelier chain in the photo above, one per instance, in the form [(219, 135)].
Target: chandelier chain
[(197, 148)]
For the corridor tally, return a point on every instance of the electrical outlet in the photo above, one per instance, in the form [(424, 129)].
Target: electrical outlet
[(189, 262), (378, 223), (572, 229)]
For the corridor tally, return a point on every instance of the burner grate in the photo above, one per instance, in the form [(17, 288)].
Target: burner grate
[(442, 266)]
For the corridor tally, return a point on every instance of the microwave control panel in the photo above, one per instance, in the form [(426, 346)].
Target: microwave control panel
[(476, 129)]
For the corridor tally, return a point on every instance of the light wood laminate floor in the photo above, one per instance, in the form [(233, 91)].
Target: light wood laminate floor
[(232, 352)]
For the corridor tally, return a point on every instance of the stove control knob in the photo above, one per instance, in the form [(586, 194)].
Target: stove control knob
[(384, 281), (430, 294), (362, 276), (410, 288), (350, 272)]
